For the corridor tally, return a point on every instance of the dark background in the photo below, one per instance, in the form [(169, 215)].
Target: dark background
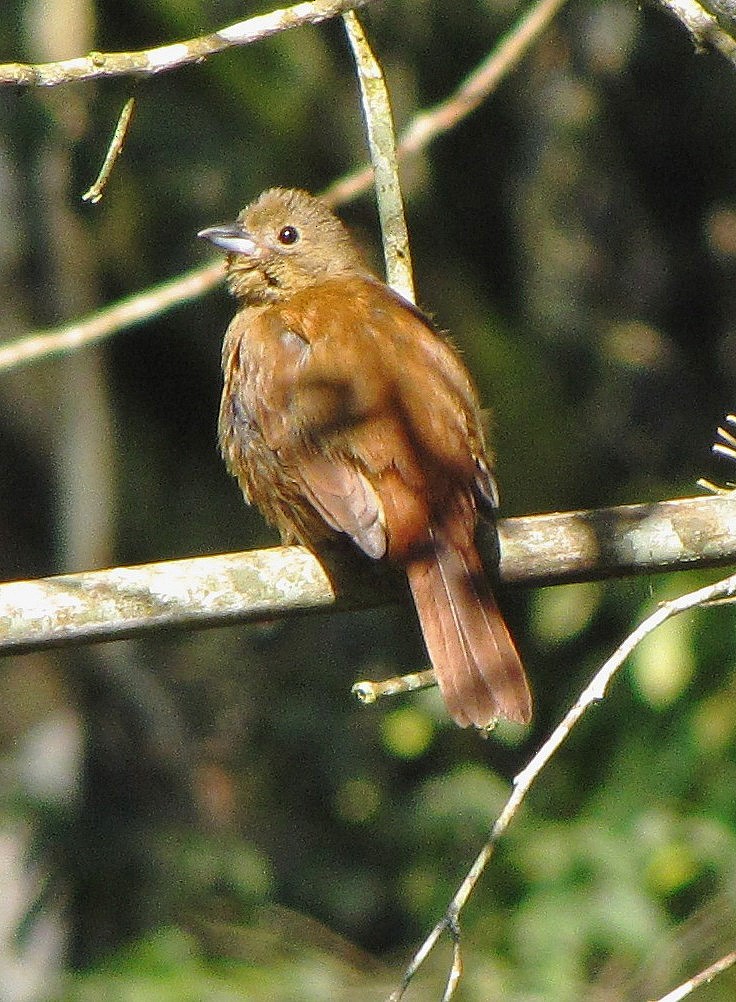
[(210, 815)]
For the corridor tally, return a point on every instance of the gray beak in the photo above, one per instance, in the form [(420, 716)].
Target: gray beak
[(232, 238)]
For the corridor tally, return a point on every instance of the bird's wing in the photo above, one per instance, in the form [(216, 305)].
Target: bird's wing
[(298, 400), (442, 412), (368, 408), (345, 499)]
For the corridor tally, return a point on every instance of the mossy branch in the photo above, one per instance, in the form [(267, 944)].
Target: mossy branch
[(265, 584), (148, 62)]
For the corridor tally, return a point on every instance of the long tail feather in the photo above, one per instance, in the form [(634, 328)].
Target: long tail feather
[(478, 667)]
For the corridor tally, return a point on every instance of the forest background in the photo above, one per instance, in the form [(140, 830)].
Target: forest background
[(211, 815)]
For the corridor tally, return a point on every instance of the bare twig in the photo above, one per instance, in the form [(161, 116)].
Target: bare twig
[(422, 129), (382, 141), (474, 89), (484, 79), (169, 57), (94, 193), (703, 978), (371, 692), (125, 313), (265, 584), (724, 446), (595, 691)]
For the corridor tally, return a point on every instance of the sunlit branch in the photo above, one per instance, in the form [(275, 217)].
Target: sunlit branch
[(266, 584), (382, 143), (422, 129), (147, 62), (703, 26)]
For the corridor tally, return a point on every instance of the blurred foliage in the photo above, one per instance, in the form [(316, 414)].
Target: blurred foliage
[(210, 816)]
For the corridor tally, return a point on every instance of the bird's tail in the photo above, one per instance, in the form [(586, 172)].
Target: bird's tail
[(478, 668)]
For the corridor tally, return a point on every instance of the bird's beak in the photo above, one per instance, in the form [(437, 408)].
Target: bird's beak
[(232, 238)]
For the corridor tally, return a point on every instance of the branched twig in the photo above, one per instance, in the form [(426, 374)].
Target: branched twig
[(422, 129), (595, 691), (382, 143), (169, 57), (703, 978)]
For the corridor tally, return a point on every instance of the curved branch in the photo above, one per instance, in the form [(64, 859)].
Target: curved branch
[(593, 693), (421, 130), (148, 62), (265, 584), (703, 25)]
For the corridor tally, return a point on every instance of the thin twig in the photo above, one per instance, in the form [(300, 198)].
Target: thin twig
[(382, 142), (724, 446), (135, 309), (456, 968), (703, 978), (95, 192), (370, 692), (593, 693), (422, 129), (147, 62), (426, 125)]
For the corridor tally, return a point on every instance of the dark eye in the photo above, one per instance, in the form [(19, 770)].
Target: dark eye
[(288, 235)]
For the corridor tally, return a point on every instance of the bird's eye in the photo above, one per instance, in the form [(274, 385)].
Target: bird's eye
[(288, 235)]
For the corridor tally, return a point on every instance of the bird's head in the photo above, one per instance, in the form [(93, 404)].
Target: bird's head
[(283, 242)]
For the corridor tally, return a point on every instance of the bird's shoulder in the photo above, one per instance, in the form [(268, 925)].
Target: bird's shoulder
[(356, 300)]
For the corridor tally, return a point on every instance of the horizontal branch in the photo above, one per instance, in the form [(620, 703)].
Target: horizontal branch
[(282, 581), (147, 62), (614, 542)]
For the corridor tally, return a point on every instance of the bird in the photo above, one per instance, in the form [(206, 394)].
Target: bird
[(346, 414)]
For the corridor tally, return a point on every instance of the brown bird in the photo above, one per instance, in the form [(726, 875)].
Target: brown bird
[(344, 412)]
